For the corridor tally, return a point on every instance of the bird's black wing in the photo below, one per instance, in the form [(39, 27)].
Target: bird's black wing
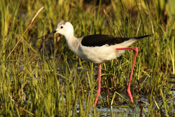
[(100, 40)]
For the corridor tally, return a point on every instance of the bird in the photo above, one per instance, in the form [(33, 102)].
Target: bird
[(98, 48)]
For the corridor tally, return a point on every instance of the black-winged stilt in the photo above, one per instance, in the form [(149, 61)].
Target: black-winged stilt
[(98, 49)]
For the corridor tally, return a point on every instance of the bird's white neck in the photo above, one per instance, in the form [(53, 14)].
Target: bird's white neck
[(72, 42)]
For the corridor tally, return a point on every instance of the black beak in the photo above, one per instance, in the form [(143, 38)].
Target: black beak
[(47, 34)]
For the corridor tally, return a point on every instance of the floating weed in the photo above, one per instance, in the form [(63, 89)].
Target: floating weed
[(165, 103), (172, 54)]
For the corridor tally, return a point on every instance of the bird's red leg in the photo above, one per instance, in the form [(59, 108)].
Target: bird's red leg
[(99, 84), (129, 85)]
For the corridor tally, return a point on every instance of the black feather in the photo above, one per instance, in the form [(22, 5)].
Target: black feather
[(100, 40)]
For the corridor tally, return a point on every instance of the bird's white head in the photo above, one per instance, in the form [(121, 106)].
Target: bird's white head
[(65, 28)]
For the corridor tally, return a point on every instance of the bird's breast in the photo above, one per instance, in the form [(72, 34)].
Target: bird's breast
[(97, 54)]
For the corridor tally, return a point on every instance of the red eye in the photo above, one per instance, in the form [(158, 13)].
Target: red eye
[(61, 27)]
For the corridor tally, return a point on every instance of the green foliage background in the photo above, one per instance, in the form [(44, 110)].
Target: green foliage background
[(42, 77)]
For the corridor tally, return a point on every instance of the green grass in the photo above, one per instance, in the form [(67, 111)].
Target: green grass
[(44, 78)]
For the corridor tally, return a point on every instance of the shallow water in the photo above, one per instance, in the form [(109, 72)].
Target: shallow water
[(121, 112), (139, 109)]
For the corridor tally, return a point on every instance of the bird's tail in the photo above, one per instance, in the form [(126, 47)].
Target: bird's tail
[(141, 37)]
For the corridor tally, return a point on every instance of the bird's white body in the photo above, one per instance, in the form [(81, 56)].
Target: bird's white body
[(97, 54)]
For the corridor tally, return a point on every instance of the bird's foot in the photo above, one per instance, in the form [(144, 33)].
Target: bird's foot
[(130, 95)]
